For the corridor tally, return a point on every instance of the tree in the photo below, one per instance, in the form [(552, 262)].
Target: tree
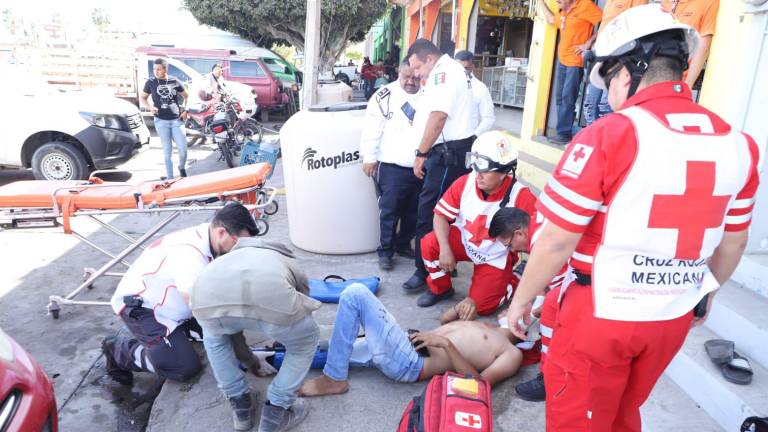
[(100, 19), (284, 21)]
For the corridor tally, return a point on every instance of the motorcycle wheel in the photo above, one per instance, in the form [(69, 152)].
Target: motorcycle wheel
[(249, 129), (226, 150)]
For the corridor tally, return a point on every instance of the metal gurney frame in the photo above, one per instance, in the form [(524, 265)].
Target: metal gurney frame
[(258, 199)]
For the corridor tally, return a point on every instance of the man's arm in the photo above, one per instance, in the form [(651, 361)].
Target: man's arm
[(553, 248), (727, 255), (300, 278), (723, 263), (442, 229), (487, 116), (698, 60), (144, 98), (586, 46), (465, 310), (184, 98), (548, 15), (505, 366), (370, 139), (432, 131)]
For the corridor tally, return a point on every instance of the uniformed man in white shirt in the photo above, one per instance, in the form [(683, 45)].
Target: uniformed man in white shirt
[(387, 145), (152, 298), (445, 111), (482, 116)]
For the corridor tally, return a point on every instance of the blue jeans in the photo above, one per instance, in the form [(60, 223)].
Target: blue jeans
[(300, 340), (567, 81), (390, 349), (595, 104), (169, 130)]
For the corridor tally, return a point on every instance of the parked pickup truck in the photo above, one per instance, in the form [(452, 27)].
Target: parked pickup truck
[(64, 135)]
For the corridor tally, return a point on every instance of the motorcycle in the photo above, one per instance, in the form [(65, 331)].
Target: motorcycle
[(201, 115), (223, 135)]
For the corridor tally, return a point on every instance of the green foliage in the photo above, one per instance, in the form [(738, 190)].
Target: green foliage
[(100, 19), (353, 55), (266, 22)]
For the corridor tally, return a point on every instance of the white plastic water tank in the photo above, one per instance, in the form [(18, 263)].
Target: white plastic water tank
[(332, 206), (331, 92)]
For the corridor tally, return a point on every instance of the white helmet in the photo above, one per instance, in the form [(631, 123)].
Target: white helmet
[(628, 39), (492, 151)]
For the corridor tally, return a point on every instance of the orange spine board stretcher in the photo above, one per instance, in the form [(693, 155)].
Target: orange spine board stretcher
[(67, 197), (118, 195)]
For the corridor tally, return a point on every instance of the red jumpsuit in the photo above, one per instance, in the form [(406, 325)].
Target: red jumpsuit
[(463, 203), (651, 189)]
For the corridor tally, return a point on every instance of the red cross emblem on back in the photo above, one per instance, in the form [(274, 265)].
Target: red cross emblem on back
[(478, 230), (692, 213)]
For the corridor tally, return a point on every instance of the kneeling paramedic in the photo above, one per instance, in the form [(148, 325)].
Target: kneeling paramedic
[(461, 220), (152, 300), (260, 287), (652, 206)]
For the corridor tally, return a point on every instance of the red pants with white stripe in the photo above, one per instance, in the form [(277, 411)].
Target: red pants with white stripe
[(599, 372), (547, 321), (491, 287)]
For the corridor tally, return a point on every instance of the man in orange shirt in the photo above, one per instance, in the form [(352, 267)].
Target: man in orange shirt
[(576, 20), (701, 15), (596, 101)]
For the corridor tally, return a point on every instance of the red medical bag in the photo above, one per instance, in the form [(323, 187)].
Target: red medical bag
[(450, 403)]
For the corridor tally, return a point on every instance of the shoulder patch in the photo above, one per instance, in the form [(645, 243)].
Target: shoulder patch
[(577, 160), (439, 78)]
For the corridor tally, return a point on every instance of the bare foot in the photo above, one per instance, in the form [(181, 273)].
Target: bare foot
[(322, 386)]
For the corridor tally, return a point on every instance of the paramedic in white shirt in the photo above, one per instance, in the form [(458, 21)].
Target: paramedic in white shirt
[(445, 116), (388, 143), (152, 298), (482, 116)]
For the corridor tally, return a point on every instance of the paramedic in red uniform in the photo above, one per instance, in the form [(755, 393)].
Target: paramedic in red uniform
[(655, 201), (461, 221)]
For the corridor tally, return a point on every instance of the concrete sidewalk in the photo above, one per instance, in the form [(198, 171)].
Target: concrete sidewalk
[(39, 262)]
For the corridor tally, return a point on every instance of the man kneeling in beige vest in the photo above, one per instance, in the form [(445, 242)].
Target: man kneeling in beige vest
[(260, 287)]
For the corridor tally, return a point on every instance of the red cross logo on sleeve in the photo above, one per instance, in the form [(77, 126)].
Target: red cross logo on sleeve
[(692, 213), (578, 154), (478, 230)]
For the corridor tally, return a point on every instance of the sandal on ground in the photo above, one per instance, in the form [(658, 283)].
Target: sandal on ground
[(720, 351), (755, 424), (737, 370)]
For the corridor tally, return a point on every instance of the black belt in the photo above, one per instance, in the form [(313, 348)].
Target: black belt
[(449, 144), (582, 278), (391, 165)]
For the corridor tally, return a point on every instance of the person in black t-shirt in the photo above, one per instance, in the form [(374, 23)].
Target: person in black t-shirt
[(168, 97)]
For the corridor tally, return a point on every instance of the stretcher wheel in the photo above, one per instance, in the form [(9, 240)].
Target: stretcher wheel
[(87, 273), (53, 310), (263, 226), (271, 208)]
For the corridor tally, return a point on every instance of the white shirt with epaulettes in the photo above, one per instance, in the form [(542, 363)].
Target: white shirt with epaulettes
[(448, 89), (389, 134)]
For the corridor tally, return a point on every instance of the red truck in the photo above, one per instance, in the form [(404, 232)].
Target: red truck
[(270, 91)]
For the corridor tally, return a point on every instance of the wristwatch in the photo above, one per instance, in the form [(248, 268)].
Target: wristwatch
[(420, 154)]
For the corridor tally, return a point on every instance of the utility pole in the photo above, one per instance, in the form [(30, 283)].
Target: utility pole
[(311, 54)]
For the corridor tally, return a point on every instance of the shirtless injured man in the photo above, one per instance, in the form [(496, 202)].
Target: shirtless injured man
[(466, 347)]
